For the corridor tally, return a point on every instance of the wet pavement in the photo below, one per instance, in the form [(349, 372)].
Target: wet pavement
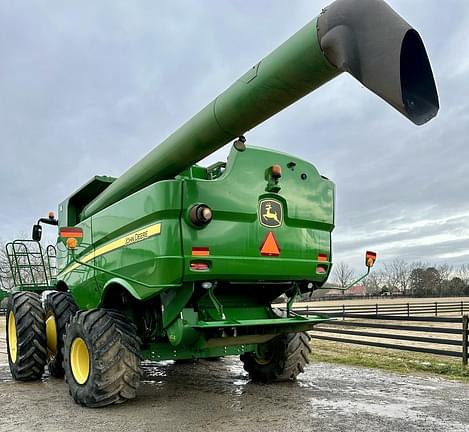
[(217, 396)]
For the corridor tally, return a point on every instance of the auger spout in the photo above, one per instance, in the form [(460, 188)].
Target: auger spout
[(366, 38)]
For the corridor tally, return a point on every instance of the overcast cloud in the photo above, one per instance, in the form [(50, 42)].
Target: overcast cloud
[(90, 87)]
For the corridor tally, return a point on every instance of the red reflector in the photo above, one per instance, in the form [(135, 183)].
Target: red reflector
[(200, 251), (270, 246), (199, 266), (71, 232), (322, 257), (320, 269)]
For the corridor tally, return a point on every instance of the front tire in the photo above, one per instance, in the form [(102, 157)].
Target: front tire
[(282, 359), (59, 307), (101, 358), (26, 336)]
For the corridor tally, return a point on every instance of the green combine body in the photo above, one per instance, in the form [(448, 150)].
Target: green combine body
[(200, 283), (176, 261)]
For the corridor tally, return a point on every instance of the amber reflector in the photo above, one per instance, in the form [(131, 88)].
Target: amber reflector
[(72, 243), (200, 251)]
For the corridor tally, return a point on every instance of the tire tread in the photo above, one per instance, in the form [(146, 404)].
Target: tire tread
[(30, 335), (290, 356), (115, 357)]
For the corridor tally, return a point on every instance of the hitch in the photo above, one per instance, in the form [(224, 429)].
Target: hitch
[(296, 293)]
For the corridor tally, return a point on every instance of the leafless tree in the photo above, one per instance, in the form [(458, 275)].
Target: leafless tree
[(397, 275), (343, 274), (374, 282), (6, 282), (462, 272)]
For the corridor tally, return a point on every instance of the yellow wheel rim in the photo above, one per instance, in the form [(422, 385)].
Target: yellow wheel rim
[(80, 360), (12, 340), (262, 361), (51, 335)]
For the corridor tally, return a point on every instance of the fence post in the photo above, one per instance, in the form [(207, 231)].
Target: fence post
[(376, 309), (307, 310), (343, 312), (462, 307), (436, 309), (465, 322), (408, 310)]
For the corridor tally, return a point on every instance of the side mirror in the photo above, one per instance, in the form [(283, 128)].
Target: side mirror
[(370, 258), (37, 232)]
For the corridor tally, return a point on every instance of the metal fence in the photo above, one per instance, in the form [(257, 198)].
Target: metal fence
[(398, 309), (385, 323), (384, 327)]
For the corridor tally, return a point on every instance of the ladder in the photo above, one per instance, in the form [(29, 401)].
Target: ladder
[(32, 268)]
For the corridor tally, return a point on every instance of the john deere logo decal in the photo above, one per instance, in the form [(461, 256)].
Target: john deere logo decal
[(270, 213)]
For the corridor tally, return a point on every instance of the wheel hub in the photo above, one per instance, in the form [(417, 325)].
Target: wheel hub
[(263, 355), (51, 335), (12, 340), (80, 360)]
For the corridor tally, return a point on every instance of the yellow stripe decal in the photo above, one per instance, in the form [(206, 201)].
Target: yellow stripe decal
[(127, 240)]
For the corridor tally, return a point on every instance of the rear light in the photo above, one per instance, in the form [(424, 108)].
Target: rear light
[(200, 215), (321, 269), (199, 266)]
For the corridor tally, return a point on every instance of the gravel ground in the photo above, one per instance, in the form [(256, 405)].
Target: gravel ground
[(218, 396)]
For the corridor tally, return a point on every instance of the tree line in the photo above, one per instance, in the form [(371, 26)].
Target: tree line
[(415, 279)]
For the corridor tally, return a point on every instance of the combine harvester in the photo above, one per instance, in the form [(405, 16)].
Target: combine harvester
[(173, 260)]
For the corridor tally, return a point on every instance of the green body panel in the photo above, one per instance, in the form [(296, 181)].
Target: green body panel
[(156, 261), (152, 265), (235, 235), (115, 255)]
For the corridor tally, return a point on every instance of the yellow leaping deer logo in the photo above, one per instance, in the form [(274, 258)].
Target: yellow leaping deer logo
[(270, 213)]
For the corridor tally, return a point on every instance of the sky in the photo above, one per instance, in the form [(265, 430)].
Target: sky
[(90, 87)]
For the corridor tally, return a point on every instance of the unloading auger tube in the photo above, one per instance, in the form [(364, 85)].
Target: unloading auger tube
[(363, 37)]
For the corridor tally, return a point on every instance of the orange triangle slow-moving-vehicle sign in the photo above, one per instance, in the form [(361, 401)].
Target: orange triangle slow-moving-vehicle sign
[(270, 246)]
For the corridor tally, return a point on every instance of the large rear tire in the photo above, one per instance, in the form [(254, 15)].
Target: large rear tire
[(282, 359), (26, 336), (59, 307), (101, 358)]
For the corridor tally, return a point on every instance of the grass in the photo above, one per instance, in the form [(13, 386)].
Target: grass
[(389, 360)]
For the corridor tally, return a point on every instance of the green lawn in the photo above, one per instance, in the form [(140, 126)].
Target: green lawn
[(390, 360)]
